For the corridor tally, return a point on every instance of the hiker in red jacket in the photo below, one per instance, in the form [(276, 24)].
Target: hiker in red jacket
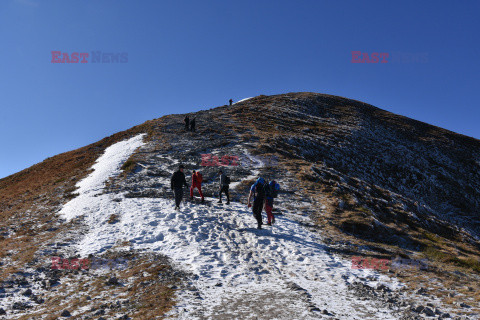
[(196, 183)]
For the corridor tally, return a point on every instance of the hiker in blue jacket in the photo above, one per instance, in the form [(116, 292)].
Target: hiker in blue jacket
[(271, 192), (258, 192)]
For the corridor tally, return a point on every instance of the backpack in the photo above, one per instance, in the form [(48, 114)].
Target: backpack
[(199, 177), (260, 190), (273, 189), (227, 180)]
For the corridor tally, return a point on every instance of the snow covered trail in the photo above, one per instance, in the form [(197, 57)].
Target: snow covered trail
[(238, 272)]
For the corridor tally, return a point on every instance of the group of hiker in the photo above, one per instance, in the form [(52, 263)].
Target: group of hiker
[(189, 124), (262, 191), (178, 181)]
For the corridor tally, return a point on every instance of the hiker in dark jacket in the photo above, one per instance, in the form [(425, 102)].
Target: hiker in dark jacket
[(271, 192), (177, 182), (187, 123), (258, 192), (192, 125), (230, 101), (224, 185)]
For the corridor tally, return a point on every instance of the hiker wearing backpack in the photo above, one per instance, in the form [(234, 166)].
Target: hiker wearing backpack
[(176, 183), (196, 183), (258, 192), (224, 185), (271, 192), (192, 125), (187, 123)]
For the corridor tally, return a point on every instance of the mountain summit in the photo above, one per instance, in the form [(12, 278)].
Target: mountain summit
[(357, 182)]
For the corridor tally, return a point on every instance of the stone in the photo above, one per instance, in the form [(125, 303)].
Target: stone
[(27, 293), (65, 314)]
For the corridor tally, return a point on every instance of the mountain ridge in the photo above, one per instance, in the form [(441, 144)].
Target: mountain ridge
[(372, 182)]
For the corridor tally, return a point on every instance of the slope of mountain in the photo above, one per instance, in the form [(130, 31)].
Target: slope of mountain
[(356, 181)]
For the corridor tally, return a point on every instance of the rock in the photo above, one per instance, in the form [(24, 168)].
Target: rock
[(124, 317), (2, 311), (27, 293), (113, 281), (19, 306), (100, 312), (418, 309), (313, 308), (445, 316), (21, 282), (382, 287), (38, 300), (65, 314), (53, 282), (464, 305), (429, 312), (421, 291)]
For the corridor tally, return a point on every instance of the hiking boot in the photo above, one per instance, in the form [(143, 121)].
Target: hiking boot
[(219, 201), (259, 227), (228, 202), (269, 224)]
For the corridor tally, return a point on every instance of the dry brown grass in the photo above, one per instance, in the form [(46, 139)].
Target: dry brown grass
[(144, 293)]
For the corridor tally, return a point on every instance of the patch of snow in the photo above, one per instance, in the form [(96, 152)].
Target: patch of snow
[(243, 100), (106, 166)]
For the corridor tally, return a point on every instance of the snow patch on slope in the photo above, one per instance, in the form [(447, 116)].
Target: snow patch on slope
[(243, 100), (108, 165)]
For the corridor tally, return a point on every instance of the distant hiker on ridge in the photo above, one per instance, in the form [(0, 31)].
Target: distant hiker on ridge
[(271, 192), (177, 182), (258, 192), (230, 101), (196, 183), (192, 125), (224, 185), (187, 123)]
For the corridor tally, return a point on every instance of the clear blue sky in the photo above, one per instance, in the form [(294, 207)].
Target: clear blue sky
[(184, 56)]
